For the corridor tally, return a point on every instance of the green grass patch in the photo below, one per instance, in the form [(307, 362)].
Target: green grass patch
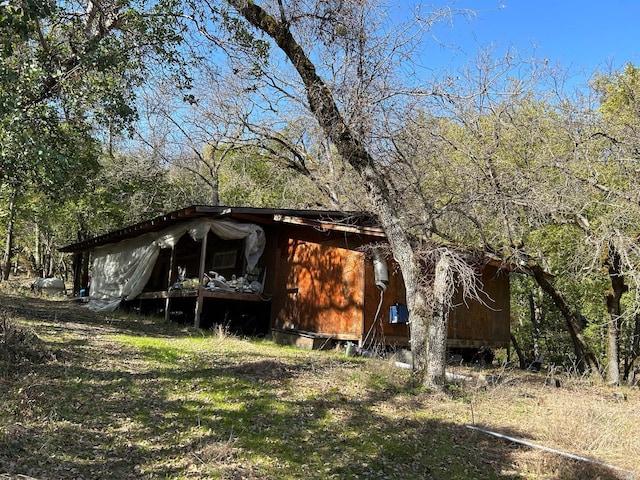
[(126, 397)]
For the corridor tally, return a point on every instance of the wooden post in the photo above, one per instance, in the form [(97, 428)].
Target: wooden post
[(200, 299), (77, 271), (84, 271), (167, 302)]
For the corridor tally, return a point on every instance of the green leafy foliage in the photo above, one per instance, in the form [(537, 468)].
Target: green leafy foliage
[(68, 77), (249, 180)]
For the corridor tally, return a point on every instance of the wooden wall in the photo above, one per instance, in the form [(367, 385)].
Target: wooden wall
[(383, 331), (328, 287), (325, 285), (476, 325), (321, 289)]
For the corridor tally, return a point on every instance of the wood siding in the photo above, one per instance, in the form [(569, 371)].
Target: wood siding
[(323, 289), (477, 325), (383, 332)]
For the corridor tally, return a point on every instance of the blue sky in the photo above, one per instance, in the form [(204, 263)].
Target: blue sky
[(581, 36)]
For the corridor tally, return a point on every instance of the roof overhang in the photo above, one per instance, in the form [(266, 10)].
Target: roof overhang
[(353, 222), (359, 223), (327, 225)]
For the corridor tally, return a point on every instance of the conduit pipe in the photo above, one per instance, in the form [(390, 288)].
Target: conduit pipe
[(520, 441)]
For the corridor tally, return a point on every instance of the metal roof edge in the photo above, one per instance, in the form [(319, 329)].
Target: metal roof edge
[(196, 211)]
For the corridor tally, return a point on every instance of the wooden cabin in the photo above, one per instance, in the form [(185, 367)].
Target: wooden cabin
[(309, 282)]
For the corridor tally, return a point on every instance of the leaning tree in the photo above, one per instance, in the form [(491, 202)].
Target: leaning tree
[(484, 173), (347, 72)]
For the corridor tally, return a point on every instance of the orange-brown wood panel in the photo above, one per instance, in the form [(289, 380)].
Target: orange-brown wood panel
[(382, 331), (323, 289), (476, 325), (285, 291)]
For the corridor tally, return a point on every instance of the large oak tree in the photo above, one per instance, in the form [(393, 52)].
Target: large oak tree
[(429, 270)]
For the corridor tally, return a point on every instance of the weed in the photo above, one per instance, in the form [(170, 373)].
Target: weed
[(141, 398), (18, 345)]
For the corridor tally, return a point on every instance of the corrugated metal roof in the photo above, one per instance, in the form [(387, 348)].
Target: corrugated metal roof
[(324, 219)]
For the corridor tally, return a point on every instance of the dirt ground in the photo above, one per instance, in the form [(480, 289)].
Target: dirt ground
[(81, 399)]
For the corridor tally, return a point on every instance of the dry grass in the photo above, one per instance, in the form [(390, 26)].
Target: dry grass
[(130, 397), (581, 417)]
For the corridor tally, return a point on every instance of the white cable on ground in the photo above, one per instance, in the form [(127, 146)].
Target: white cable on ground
[(553, 450)]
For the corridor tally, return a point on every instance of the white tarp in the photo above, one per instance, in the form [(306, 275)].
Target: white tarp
[(121, 270)]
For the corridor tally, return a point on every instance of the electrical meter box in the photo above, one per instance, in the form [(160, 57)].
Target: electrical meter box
[(398, 313)]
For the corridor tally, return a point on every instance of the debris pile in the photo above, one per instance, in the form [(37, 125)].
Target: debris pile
[(213, 281)]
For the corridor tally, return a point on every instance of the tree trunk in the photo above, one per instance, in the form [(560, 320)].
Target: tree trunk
[(618, 288), (6, 261), (215, 191), (326, 112), (37, 249), (419, 310), (436, 351), (437, 329), (521, 360), (634, 352), (215, 181), (536, 322), (586, 359)]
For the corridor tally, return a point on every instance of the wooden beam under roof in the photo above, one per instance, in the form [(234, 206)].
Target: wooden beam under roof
[(326, 225)]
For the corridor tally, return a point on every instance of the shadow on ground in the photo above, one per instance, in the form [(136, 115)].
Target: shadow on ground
[(99, 409)]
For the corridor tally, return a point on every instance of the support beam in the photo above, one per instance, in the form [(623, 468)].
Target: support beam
[(200, 300), (167, 302)]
